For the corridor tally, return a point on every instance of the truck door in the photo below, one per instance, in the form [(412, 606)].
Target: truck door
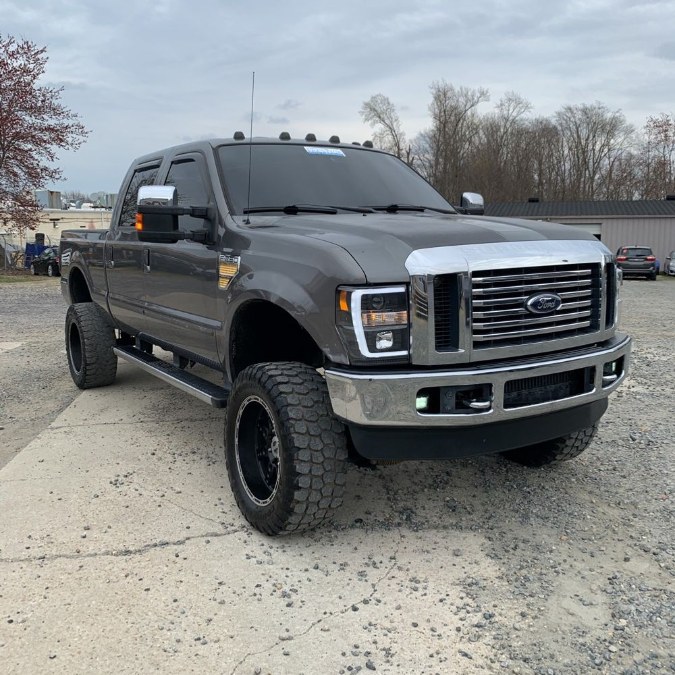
[(125, 271), (181, 279)]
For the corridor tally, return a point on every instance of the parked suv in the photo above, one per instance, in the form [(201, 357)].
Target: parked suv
[(669, 265), (638, 261)]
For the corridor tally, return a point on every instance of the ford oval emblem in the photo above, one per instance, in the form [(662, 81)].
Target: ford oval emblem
[(543, 303)]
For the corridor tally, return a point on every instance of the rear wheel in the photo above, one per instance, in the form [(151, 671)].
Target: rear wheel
[(90, 338), (50, 271), (285, 450), (33, 271), (555, 451)]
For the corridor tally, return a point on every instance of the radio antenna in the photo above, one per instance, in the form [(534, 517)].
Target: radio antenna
[(250, 154)]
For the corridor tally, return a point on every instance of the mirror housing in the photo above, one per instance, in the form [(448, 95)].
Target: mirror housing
[(157, 215), (473, 204)]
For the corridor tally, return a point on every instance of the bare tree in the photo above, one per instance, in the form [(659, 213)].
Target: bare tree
[(591, 134), (447, 145), (34, 124), (624, 176), (500, 166), (658, 157), (380, 113)]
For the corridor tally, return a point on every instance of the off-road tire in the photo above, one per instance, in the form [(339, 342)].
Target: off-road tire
[(51, 271), (33, 271), (554, 451), (90, 338), (281, 412)]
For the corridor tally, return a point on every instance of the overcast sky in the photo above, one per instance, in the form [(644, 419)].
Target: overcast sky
[(145, 75)]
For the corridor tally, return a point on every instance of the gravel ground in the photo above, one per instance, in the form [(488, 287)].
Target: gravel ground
[(575, 572), (34, 386)]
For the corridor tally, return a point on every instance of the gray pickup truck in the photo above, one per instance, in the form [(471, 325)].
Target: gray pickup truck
[(344, 311)]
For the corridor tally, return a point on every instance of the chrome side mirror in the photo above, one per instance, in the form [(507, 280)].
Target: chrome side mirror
[(157, 195), (473, 204)]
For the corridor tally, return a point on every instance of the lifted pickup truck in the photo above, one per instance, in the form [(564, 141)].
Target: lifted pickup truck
[(347, 311)]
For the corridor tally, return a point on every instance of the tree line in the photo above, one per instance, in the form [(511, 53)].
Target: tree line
[(581, 152)]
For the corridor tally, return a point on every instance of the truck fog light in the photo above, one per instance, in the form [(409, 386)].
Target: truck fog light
[(422, 403), (611, 371), (384, 340)]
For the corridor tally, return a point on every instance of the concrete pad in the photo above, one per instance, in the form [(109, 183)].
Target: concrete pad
[(231, 603), (121, 550)]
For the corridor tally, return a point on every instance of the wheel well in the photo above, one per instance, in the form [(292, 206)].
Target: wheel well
[(77, 285), (262, 331)]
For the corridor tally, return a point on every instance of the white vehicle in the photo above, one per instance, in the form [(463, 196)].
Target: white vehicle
[(669, 266)]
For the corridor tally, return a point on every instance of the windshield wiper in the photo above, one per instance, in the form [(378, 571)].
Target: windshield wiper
[(394, 208), (355, 209), (292, 209)]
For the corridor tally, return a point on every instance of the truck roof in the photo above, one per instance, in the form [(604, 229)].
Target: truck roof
[(239, 137)]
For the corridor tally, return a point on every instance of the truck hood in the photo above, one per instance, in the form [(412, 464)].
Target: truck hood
[(380, 243)]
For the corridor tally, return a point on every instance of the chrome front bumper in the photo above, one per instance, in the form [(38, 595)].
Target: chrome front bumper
[(389, 399)]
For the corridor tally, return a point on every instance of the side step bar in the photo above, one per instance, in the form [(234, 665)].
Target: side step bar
[(192, 384)]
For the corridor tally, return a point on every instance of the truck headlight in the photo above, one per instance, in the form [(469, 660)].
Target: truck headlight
[(374, 323)]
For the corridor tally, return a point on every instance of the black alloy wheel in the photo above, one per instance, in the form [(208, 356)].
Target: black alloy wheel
[(258, 465)]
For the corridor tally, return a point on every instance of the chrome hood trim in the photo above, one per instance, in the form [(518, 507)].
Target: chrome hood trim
[(502, 255)]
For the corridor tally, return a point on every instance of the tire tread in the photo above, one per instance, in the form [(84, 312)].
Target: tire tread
[(97, 339), (554, 451), (316, 442)]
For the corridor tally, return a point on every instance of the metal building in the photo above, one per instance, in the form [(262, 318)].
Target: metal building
[(615, 223), (48, 199)]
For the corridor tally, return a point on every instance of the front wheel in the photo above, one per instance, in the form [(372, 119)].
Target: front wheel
[(285, 451), (33, 270), (90, 338), (554, 451)]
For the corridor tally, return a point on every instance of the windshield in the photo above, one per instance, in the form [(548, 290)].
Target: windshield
[(284, 175)]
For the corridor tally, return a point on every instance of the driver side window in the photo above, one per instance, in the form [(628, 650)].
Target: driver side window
[(187, 178)]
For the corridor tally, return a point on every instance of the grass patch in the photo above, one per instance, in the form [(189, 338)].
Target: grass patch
[(12, 276)]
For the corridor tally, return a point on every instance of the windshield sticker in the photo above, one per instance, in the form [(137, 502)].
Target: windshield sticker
[(333, 152)]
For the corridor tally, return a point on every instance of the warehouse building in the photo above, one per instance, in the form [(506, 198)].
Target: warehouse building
[(615, 223)]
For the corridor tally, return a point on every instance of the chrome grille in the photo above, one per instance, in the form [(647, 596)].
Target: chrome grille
[(499, 316)]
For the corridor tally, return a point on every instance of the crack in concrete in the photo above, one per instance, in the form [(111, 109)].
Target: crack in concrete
[(89, 425), (328, 616), (122, 552), (194, 513)]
